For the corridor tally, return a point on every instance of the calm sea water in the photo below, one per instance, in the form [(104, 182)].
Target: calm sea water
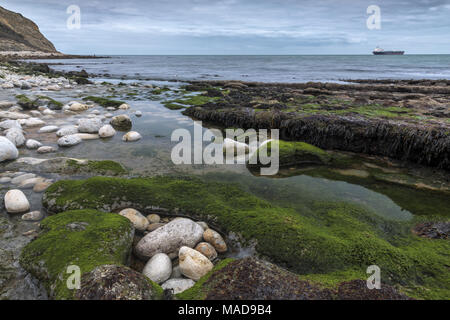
[(265, 68)]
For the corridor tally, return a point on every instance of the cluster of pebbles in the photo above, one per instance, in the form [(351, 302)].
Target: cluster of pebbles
[(14, 125), (15, 200), (11, 80), (177, 252)]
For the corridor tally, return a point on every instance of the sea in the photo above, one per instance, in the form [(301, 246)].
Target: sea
[(296, 68)]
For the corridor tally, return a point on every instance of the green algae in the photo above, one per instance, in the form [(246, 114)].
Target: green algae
[(173, 106), (197, 100), (335, 238), (52, 102), (104, 102), (29, 103), (85, 238), (292, 153), (159, 91), (104, 167)]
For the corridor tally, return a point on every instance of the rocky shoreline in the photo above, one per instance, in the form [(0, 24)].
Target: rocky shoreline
[(154, 239), (35, 55)]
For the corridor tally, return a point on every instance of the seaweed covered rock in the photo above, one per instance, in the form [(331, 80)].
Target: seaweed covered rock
[(121, 122), (67, 166), (357, 290), (83, 238), (291, 153), (113, 282), (253, 279), (333, 242)]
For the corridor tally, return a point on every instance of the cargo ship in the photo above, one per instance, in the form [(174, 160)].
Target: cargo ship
[(379, 52)]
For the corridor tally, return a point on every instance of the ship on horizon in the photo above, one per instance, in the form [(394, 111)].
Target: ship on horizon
[(379, 52)]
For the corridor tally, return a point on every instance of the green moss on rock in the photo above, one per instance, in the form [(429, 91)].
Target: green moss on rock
[(85, 238), (52, 103), (293, 153), (104, 102), (104, 167), (25, 102), (336, 237)]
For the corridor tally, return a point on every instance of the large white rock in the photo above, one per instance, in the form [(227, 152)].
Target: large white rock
[(68, 130), (69, 141), (89, 125), (158, 268), (33, 216), (139, 221), (33, 144), (77, 107), (16, 202), (32, 122), (15, 135), (193, 264), (46, 149), (106, 131), (178, 285), (48, 129), (169, 238), (13, 115), (8, 150), (8, 124), (131, 136)]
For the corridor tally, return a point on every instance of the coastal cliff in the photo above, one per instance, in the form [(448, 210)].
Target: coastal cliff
[(18, 33)]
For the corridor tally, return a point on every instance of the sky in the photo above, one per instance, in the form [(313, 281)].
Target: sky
[(248, 27)]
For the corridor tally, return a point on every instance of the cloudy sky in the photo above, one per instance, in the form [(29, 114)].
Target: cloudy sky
[(240, 26)]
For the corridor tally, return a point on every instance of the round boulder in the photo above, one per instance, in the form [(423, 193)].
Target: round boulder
[(207, 250), (139, 221), (169, 238), (8, 150), (16, 201), (106, 131), (193, 264), (33, 144), (215, 239), (69, 141), (131, 136), (89, 125), (68, 130), (158, 268)]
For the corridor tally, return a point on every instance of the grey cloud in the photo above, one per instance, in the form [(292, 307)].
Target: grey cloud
[(241, 26)]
